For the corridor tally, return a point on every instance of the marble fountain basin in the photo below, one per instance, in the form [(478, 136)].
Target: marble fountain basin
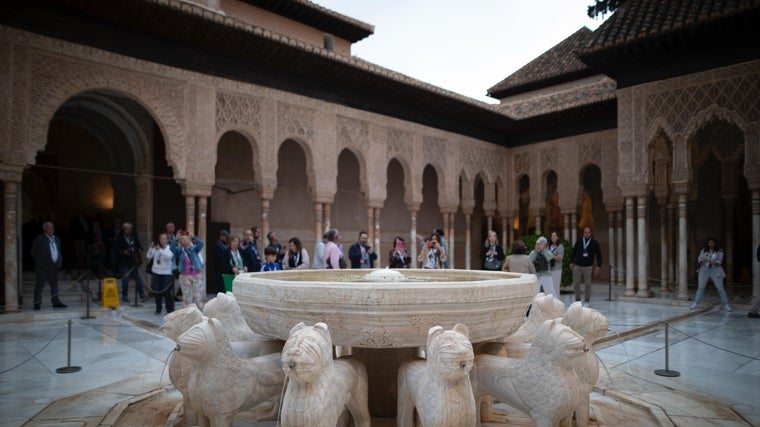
[(383, 308)]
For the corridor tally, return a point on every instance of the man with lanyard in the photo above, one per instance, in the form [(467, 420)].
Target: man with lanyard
[(250, 249), (361, 254), (585, 250), (46, 252)]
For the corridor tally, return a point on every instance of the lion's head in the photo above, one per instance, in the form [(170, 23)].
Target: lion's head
[(449, 352), (201, 340), (558, 343), (226, 308), (307, 352), (178, 322), (589, 323)]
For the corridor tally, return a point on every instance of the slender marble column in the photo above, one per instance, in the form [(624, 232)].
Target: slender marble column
[(538, 222), (318, 230), (728, 244), (671, 246), (190, 214), (630, 289), (202, 221), (683, 284), (412, 244), (620, 272), (327, 215), (378, 249), (511, 226), (490, 223), (643, 245), (574, 226), (10, 245), (567, 229), (371, 226), (468, 239), (264, 220), (611, 245), (504, 235), (663, 248), (448, 220), (755, 242)]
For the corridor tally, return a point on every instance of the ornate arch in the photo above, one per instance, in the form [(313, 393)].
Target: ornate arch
[(54, 80), (256, 162), (308, 154)]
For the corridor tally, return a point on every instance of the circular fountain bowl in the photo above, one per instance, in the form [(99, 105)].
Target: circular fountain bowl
[(385, 308)]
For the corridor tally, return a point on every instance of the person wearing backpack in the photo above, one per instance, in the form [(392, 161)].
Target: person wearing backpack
[(541, 259)]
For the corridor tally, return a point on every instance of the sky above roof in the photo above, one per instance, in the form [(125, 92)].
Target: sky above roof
[(463, 46)]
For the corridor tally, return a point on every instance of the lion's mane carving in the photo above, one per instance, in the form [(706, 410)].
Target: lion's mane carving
[(591, 325), (221, 383), (319, 387), (439, 387), (542, 384), (177, 323), (226, 309)]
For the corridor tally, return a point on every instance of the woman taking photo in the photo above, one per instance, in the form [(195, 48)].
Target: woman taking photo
[(161, 255), (558, 254), (492, 254), (190, 269), (398, 256), (296, 258), (433, 255)]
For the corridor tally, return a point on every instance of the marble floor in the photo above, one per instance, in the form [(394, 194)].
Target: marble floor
[(122, 354)]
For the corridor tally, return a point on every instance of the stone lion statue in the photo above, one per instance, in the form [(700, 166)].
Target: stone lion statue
[(439, 387), (177, 323), (226, 309), (591, 325), (543, 307), (542, 384), (221, 383), (319, 388)]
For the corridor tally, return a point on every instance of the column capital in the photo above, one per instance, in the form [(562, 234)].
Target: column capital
[(321, 197), (10, 173), (198, 189), (413, 207)]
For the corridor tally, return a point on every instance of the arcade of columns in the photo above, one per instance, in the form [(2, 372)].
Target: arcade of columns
[(193, 111)]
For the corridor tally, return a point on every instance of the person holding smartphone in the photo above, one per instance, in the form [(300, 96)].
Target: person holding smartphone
[(398, 256), (433, 254)]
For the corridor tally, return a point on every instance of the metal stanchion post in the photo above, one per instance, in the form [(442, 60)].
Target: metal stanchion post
[(68, 369), (667, 372)]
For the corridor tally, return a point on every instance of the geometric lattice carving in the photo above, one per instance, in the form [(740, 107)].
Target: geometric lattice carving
[(434, 150), (521, 163), (590, 153), (237, 112), (719, 138), (677, 106), (397, 142), (549, 158), (352, 132), (293, 120), (480, 161)]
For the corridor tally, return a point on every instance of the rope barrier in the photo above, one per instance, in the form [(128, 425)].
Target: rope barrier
[(667, 282), (35, 354), (715, 346)]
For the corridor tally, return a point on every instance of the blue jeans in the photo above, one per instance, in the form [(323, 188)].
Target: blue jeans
[(125, 282), (707, 272)]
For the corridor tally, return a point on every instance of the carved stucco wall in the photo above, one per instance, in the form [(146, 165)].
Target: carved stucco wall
[(680, 107), (194, 110)]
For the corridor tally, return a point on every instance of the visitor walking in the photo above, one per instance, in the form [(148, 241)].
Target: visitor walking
[(582, 257), (46, 252), (710, 261)]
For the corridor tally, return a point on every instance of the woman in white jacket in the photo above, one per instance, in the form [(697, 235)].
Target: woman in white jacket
[(162, 257), (710, 267)]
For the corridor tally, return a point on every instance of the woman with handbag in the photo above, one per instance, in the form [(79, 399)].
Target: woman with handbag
[(492, 253), (161, 256)]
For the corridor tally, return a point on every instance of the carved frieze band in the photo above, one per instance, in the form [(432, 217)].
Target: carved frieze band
[(235, 111)]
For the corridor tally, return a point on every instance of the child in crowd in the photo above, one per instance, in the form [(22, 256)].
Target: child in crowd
[(271, 265)]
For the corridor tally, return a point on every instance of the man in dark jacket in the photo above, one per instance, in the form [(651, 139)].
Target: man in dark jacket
[(46, 252), (361, 253), (585, 250)]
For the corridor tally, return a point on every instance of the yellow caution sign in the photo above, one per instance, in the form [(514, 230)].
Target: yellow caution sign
[(110, 292)]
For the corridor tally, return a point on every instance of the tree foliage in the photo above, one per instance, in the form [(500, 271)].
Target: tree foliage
[(603, 7)]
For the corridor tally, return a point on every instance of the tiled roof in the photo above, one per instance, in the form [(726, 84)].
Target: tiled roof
[(641, 19), (547, 69), (563, 99)]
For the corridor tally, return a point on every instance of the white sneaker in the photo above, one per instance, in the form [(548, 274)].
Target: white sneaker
[(694, 306), (727, 308)]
